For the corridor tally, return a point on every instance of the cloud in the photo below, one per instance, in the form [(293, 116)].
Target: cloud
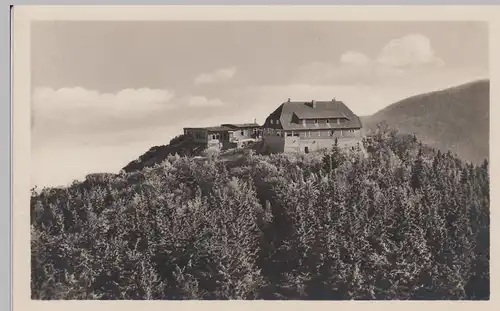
[(410, 50), (76, 116), (202, 101), (74, 101), (400, 58), (217, 76), (80, 116), (354, 58)]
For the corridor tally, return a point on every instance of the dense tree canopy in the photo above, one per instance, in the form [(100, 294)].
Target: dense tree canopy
[(388, 219)]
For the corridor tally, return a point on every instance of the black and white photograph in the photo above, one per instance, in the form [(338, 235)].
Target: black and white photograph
[(259, 160)]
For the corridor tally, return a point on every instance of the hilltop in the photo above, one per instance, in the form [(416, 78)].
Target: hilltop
[(455, 119), (183, 145), (401, 221)]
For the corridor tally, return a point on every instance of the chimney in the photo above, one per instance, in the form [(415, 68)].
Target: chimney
[(254, 120), (288, 99), (333, 100), (313, 103)]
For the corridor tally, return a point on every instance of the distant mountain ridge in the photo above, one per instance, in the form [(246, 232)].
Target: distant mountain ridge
[(455, 119)]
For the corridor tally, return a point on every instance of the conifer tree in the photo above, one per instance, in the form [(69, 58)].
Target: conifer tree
[(417, 171)]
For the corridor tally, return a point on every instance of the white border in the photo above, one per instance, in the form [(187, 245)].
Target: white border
[(22, 16)]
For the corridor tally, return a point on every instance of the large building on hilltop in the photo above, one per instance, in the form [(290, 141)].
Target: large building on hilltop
[(309, 126)]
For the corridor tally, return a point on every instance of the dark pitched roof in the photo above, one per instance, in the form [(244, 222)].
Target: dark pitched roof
[(322, 110), (314, 114), (243, 125)]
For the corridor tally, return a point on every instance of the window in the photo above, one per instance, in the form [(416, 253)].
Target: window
[(315, 121), (271, 121), (327, 120), (213, 136), (217, 136), (277, 121), (242, 132), (288, 134)]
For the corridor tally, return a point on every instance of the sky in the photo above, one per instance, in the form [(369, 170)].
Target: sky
[(104, 92)]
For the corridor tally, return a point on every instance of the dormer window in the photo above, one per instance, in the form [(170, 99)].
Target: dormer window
[(271, 121), (277, 121)]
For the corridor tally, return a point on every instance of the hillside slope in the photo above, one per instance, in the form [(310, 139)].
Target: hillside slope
[(185, 146), (455, 119), (180, 145)]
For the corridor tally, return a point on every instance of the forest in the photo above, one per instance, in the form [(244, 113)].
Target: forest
[(388, 219)]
